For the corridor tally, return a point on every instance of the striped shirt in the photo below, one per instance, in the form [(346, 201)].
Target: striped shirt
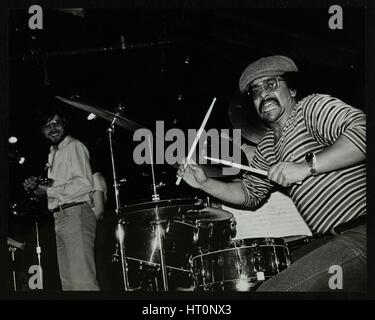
[(328, 199)]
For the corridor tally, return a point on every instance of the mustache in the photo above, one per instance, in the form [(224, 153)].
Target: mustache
[(264, 101)]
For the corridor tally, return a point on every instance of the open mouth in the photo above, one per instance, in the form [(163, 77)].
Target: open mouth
[(55, 134), (269, 105)]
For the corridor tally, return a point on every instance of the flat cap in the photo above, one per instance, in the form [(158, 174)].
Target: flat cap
[(266, 67)]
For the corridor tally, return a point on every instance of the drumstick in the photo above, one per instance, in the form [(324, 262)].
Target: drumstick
[(238, 166), (197, 138)]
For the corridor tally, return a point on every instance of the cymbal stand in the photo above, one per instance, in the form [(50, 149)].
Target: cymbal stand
[(120, 228), (12, 251), (158, 224)]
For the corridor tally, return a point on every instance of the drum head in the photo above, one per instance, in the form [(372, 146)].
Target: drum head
[(159, 210), (208, 214)]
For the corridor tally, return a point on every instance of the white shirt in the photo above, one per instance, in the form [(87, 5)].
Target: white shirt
[(71, 173), (100, 184), (99, 202)]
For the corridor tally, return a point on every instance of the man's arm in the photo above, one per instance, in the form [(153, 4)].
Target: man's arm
[(231, 192), (342, 154), (341, 128)]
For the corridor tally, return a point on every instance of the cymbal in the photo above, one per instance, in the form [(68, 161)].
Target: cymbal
[(13, 243), (102, 113), (210, 170), (242, 115)]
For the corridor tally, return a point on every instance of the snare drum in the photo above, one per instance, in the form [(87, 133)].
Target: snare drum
[(241, 265)]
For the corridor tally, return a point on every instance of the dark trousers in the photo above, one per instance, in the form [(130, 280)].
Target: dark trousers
[(319, 261)]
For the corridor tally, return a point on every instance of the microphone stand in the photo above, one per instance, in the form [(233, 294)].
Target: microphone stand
[(120, 228)]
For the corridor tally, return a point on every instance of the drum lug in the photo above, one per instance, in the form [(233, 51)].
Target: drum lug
[(211, 232), (168, 226), (196, 234)]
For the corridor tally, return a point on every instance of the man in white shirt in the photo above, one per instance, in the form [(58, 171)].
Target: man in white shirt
[(70, 199)]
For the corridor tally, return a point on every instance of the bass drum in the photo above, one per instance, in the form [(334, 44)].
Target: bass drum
[(241, 265)]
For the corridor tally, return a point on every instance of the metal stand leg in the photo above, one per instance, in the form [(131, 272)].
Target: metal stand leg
[(159, 232), (13, 250), (120, 229), (38, 252), (121, 238)]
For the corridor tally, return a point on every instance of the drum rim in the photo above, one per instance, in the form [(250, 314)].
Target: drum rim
[(159, 203), (232, 280), (236, 248)]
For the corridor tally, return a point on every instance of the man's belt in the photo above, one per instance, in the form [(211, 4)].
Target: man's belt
[(66, 206), (356, 222)]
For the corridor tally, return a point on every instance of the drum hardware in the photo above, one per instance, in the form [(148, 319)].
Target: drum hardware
[(275, 260), (13, 246), (208, 201), (38, 250), (12, 250), (115, 255), (116, 184), (158, 224), (196, 235)]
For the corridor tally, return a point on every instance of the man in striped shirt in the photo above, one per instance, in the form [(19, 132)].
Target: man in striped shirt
[(316, 149)]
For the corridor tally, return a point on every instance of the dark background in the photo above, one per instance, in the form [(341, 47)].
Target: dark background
[(156, 83)]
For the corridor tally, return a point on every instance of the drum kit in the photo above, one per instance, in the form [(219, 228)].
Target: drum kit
[(184, 244), (187, 243)]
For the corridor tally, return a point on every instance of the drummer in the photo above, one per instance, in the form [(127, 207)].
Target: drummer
[(315, 148)]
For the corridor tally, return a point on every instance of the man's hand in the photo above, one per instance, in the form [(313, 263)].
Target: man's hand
[(193, 175), (30, 183), (288, 173), (41, 191)]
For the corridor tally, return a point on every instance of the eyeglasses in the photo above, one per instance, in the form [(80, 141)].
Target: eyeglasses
[(268, 85)]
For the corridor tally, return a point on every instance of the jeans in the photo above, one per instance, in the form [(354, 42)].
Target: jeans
[(75, 235), (312, 272)]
